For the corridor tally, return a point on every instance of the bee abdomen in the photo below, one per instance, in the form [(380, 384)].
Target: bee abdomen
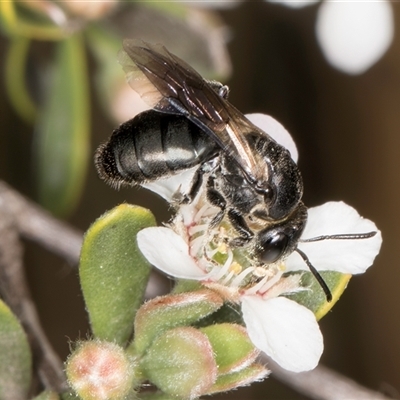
[(151, 146)]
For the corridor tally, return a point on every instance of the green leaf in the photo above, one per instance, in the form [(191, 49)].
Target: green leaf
[(173, 9), (62, 142), (15, 357), (113, 272), (156, 396), (69, 395), (166, 312), (15, 78), (314, 297), (185, 285), (17, 19), (233, 349), (180, 362), (244, 377)]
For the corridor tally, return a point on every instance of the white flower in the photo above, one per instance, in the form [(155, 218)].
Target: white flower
[(294, 3), (283, 329), (353, 35)]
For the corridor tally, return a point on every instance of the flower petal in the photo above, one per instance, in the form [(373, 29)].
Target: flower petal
[(354, 34), (352, 256), (276, 130), (284, 330), (168, 252), (169, 187)]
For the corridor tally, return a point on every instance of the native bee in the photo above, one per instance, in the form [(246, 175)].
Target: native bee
[(251, 178)]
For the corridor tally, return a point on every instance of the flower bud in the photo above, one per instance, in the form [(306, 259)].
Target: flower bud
[(233, 349), (100, 370), (166, 312), (254, 373), (180, 362)]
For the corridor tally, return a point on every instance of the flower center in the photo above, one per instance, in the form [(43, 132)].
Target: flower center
[(229, 266)]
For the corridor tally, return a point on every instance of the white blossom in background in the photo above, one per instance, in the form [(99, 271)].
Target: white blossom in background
[(283, 329), (294, 3), (353, 35)]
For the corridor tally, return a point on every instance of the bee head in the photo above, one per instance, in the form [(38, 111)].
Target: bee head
[(280, 239)]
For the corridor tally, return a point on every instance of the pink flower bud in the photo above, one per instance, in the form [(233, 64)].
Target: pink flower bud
[(99, 371)]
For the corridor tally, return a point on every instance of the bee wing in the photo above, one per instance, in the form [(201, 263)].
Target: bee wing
[(168, 84)]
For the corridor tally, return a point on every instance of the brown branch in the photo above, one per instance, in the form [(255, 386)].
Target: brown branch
[(15, 292), (324, 384), (35, 224)]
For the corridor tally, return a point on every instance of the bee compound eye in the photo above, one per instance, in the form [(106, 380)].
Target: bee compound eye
[(266, 191), (272, 247), (268, 195)]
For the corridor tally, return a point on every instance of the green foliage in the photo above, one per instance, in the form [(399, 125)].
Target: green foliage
[(33, 23), (15, 357), (16, 60), (163, 313), (314, 297), (180, 362), (62, 142), (62, 120), (113, 272), (48, 395), (246, 376), (232, 347), (157, 396)]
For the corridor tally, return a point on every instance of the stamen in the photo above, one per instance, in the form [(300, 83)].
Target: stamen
[(227, 278), (205, 210), (217, 274), (210, 212), (197, 228), (211, 253), (260, 272), (268, 285), (196, 244), (222, 248), (236, 268), (254, 289), (239, 279)]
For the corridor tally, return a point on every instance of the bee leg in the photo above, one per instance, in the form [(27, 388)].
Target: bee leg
[(240, 225), (237, 221), (216, 199), (196, 184), (222, 90)]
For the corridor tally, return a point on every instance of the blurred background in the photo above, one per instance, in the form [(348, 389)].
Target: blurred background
[(62, 92)]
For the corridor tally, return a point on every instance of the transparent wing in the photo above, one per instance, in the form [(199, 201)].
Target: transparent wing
[(168, 84)]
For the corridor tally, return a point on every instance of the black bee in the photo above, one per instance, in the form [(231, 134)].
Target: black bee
[(250, 177)]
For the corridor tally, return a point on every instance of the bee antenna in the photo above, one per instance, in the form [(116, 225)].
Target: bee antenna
[(343, 236), (317, 275)]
